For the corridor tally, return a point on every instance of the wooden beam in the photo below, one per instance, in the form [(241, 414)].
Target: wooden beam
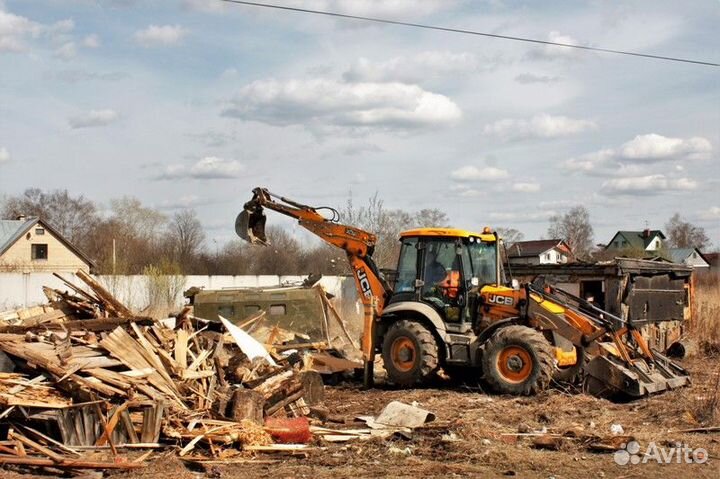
[(104, 294)]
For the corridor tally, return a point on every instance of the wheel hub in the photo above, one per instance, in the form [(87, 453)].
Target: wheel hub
[(515, 364), (403, 354)]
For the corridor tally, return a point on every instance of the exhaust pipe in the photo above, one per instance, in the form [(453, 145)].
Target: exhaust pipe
[(250, 225)]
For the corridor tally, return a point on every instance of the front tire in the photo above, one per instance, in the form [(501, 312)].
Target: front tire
[(410, 353), (518, 360)]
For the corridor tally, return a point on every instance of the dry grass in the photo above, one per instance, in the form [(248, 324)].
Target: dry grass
[(705, 329), (706, 322)]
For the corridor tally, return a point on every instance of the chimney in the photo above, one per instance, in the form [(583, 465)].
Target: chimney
[(646, 233), (21, 217)]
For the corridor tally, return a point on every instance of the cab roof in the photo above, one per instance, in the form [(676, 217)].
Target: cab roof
[(447, 232)]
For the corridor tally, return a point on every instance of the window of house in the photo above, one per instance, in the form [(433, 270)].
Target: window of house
[(39, 251), (547, 256), (277, 310), (39, 231)]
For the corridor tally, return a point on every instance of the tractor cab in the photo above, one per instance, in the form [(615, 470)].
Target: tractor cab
[(444, 268)]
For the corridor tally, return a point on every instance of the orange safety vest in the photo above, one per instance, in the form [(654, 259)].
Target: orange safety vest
[(451, 284)]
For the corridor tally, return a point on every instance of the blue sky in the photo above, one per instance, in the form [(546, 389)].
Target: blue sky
[(192, 103)]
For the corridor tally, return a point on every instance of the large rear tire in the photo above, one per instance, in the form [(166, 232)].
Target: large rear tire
[(518, 360), (410, 353)]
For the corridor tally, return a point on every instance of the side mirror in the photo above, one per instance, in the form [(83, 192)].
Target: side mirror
[(515, 284)]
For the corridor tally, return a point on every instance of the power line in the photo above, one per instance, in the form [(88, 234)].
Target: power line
[(469, 32)]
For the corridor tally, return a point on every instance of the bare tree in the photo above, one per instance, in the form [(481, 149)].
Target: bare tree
[(73, 216), (575, 228), (428, 218), (509, 235), (186, 237), (138, 220), (282, 255), (388, 224), (682, 234)]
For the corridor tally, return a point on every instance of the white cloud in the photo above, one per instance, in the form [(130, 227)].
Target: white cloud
[(631, 158), (712, 213), (93, 118), (15, 30), (91, 41), (160, 35), (18, 32), (208, 168), (328, 102), (417, 68), (529, 187), (464, 190), (474, 173), (539, 126), (646, 185), (66, 51), (4, 155), (654, 147), (553, 52)]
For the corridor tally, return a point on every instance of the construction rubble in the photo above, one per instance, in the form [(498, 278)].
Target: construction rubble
[(94, 386)]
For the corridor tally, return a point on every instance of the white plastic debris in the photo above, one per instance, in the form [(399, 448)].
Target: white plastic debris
[(616, 429), (247, 344), (403, 415)]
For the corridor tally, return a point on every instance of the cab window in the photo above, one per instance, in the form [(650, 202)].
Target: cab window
[(482, 258), (407, 266), (442, 270)]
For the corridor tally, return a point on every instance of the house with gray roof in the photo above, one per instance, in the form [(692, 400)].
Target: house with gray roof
[(689, 256), (29, 244)]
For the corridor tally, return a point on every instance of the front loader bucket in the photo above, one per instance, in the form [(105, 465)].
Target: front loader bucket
[(608, 376), (250, 226)]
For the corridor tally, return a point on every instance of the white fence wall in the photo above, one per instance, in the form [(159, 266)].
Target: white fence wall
[(19, 290)]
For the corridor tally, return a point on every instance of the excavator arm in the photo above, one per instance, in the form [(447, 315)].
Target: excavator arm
[(357, 244)]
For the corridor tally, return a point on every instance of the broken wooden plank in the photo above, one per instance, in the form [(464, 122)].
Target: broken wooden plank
[(181, 342), (34, 445), (125, 348), (337, 317), (93, 325), (104, 294)]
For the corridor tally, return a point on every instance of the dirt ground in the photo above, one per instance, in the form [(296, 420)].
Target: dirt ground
[(478, 421)]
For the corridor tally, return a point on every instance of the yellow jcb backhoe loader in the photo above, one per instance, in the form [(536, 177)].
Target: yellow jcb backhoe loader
[(449, 308)]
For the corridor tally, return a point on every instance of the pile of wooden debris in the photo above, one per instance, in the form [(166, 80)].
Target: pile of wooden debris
[(116, 383)]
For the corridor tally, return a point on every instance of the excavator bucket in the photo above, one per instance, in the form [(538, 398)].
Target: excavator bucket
[(608, 376), (250, 225), (618, 362)]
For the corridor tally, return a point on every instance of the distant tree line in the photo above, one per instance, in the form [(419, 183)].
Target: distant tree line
[(148, 240)]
